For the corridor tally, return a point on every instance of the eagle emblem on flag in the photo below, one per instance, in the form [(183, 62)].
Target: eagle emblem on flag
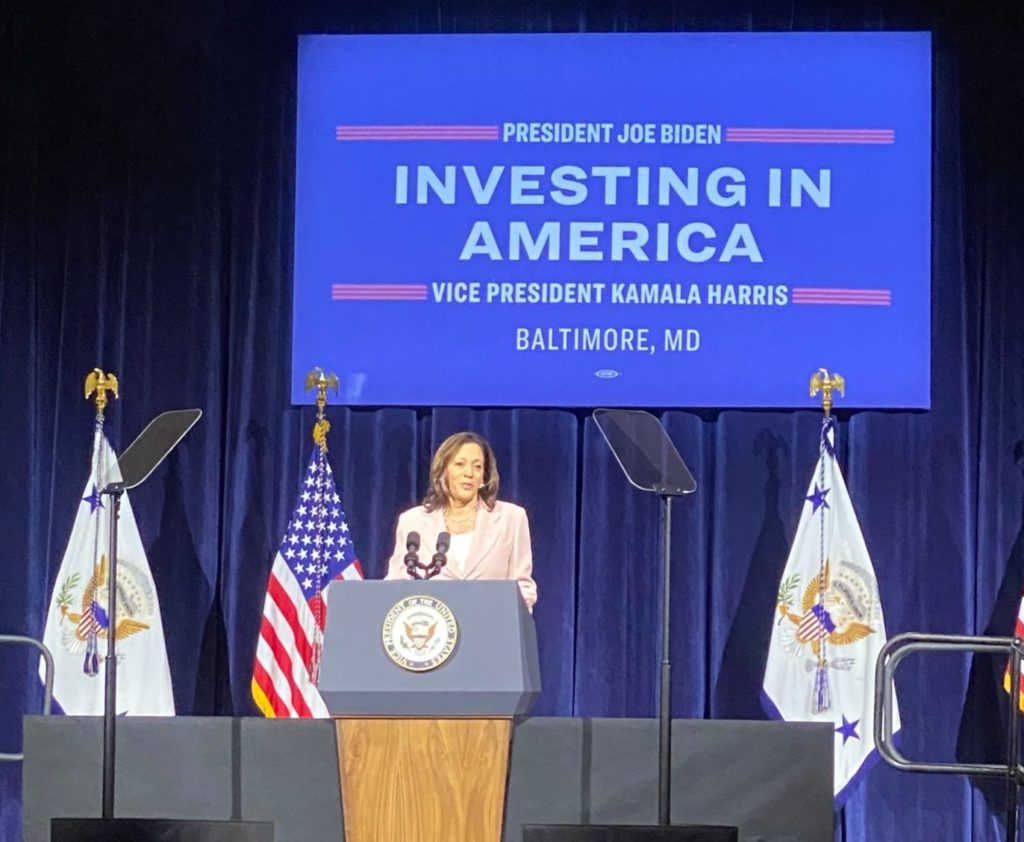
[(135, 609), (837, 612)]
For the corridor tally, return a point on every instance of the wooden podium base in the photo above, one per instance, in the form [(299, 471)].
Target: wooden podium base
[(423, 780)]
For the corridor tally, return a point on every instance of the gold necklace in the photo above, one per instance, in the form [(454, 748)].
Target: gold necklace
[(458, 524)]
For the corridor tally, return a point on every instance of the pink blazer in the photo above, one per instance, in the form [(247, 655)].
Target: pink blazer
[(500, 547)]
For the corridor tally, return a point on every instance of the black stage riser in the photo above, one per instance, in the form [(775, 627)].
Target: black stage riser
[(628, 833), (158, 830)]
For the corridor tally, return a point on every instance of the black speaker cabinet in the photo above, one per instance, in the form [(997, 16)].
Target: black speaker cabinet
[(158, 830), (627, 833)]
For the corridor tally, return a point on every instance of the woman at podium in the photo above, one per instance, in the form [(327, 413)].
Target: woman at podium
[(488, 538)]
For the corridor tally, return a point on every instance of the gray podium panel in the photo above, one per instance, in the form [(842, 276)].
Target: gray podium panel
[(493, 670), (772, 780)]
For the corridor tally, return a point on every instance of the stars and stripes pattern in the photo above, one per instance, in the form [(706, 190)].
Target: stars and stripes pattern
[(316, 549)]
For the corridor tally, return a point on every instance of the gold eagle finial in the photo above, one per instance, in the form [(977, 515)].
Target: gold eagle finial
[(98, 382), (822, 381), (321, 381)]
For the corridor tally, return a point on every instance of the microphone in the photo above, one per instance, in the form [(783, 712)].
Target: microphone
[(440, 559), (412, 560)]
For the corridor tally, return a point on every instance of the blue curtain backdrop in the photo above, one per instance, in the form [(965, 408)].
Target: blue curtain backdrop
[(146, 226)]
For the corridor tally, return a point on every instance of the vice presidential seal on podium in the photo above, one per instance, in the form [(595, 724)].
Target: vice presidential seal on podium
[(420, 633)]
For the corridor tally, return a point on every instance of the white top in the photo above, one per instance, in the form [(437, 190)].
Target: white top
[(459, 549)]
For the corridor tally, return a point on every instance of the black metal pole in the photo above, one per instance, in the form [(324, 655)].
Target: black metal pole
[(1013, 747), (1012, 810), (110, 697), (665, 702)]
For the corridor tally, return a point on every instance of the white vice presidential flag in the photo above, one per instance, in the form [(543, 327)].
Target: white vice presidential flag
[(828, 627), (77, 623)]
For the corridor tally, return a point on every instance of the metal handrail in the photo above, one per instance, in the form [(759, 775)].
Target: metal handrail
[(19, 639), (885, 668)]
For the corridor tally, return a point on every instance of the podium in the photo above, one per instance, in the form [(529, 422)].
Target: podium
[(424, 679)]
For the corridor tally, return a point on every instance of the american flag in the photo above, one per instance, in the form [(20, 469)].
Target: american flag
[(316, 549)]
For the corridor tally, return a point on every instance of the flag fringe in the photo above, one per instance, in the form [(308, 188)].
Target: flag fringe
[(261, 700)]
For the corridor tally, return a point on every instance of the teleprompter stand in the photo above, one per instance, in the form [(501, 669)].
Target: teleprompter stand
[(135, 465), (651, 463)]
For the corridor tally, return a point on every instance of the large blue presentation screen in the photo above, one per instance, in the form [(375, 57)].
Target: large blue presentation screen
[(692, 220)]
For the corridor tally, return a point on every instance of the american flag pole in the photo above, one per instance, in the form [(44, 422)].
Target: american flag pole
[(315, 550), (322, 381), (319, 518)]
